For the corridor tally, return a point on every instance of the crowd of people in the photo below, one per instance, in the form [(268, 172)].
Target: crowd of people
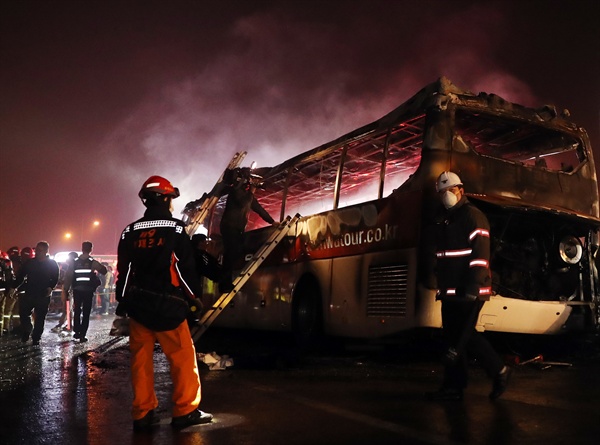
[(158, 279), (32, 284)]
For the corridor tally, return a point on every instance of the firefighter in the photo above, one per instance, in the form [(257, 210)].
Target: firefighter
[(83, 279), (13, 255), (155, 259), (462, 249), (11, 304), (7, 283), (206, 264), (37, 277), (240, 200)]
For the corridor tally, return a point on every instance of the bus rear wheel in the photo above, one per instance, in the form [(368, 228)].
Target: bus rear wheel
[(307, 315)]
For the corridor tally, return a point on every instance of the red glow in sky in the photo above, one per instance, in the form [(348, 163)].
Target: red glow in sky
[(97, 96)]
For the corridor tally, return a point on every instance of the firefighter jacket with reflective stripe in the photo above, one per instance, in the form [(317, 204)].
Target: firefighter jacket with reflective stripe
[(155, 254), (463, 252), (7, 277)]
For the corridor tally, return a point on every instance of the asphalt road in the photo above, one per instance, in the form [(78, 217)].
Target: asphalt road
[(353, 393)]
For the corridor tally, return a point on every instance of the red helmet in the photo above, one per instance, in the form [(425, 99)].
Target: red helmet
[(158, 185), (4, 256), (28, 252)]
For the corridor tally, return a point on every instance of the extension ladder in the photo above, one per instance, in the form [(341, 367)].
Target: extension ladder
[(213, 312), (196, 211)]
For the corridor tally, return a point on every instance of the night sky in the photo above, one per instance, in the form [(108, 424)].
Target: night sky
[(95, 96)]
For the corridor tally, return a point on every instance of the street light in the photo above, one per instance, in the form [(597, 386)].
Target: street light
[(95, 223)]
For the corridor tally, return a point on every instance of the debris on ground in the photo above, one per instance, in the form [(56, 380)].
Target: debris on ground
[(214, 361), (539, 361)]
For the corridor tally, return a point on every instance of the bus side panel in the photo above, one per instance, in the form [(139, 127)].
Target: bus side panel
[(263, 302), (374, 295)]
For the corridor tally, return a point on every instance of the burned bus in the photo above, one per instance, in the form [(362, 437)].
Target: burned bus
[(349, 267)]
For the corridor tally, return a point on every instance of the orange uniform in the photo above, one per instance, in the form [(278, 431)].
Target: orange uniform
[(155, 254)]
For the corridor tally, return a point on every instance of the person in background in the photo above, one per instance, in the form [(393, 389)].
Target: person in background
[(11, 305), (83, 279), (7, 294), (206, 264), (462, 269), (155, 258), (37, 277), (14, 255), (65, 297), (106, 287)]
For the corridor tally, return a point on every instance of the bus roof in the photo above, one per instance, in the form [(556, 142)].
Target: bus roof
[(440, 90)]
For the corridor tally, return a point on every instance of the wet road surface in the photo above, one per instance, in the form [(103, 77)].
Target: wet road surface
[(67, 392)]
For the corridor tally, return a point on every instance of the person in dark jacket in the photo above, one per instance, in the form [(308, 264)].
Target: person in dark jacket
[(37, 277), (240, 200), (206, 264), (83, 279), (462, 249), (155, 268)]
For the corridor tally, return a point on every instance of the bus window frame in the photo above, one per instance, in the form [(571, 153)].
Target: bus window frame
[(579, 152)]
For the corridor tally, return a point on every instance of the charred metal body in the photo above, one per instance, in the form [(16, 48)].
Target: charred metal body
[(351, 266)]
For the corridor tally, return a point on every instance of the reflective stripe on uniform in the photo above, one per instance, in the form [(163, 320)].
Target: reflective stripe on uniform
[(479, 262), (454, 253), (480, 232), (151, 224)]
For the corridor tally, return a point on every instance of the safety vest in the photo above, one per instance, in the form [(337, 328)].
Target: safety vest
[(84, 277)]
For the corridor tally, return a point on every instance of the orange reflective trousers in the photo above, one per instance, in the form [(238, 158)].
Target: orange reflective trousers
[(177, 345)]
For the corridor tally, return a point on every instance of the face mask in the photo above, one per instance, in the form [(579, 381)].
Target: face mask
[(449, 199)]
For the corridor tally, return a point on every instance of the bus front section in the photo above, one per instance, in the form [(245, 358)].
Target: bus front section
[(532, 173)]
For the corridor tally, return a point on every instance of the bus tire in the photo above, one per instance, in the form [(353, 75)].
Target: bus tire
[(307, 314)]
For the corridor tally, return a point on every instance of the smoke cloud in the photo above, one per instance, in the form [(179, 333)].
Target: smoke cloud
[(281, 86), (96, 98)]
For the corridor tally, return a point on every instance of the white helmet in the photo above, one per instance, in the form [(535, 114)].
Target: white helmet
[(447, 180)]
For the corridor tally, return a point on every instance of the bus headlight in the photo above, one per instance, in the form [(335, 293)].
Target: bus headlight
[(570, 250)]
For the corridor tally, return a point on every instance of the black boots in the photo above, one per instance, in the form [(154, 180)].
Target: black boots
[(500, 382), (196, 417)]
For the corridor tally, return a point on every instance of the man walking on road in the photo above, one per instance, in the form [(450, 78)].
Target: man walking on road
[(156, 272), (38, 277), (462, 250), (83, 279)]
